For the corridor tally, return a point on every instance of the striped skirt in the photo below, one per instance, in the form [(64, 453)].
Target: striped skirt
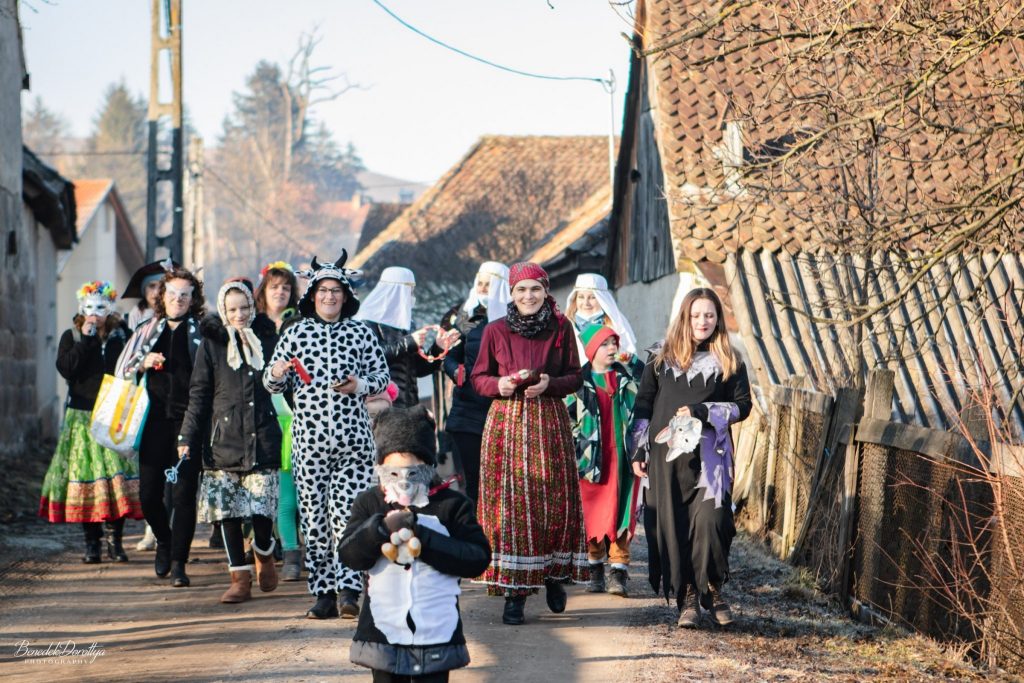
[(529, 504), (86, 482)]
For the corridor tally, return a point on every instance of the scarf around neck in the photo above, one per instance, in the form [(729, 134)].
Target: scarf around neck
[(529, 326)]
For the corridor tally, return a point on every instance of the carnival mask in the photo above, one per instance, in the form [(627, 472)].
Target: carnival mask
[(406, 486), (95, 305)]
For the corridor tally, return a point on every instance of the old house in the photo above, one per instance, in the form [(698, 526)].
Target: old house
[(494, 204), (704, 123)]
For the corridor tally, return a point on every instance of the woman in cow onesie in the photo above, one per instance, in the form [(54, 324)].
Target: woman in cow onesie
[(410, 629), (331, 363)]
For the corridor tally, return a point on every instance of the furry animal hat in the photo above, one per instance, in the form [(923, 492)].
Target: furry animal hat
[(329, 271), (406, 430)]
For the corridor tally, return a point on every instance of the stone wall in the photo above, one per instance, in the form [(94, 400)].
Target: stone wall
[(18, 415)]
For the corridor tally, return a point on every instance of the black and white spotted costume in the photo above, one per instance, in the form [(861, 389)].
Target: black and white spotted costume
[(332, 444)]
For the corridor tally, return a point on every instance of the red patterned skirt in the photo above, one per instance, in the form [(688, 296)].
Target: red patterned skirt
[(529, 504)]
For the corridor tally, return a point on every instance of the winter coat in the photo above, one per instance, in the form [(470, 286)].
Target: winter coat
[(83, 361), (245, 433), (585, 414), (404, 363), (469, 409), (454, 546)]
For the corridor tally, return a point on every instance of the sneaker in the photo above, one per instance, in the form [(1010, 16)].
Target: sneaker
[(326, 607), (689, 610), (596, 584), (720, 611), (617, 582)]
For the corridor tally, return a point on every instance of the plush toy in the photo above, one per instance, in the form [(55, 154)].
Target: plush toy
[(682, 436), (403, 546)]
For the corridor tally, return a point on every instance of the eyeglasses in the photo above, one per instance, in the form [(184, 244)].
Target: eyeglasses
[(323, 291)]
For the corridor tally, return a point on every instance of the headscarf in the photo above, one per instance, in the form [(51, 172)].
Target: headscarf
[(242, 342), (329, 271), (391, 301), (496, 301), (531, 325), (96, 298), (616, 320)]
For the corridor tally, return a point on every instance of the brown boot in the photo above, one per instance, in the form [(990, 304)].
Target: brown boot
[(266, 572), (241, 587), (689, 610), (721, 613)]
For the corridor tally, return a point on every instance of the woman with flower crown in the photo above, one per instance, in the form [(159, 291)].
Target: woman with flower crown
[(86, 482), (277, 299)]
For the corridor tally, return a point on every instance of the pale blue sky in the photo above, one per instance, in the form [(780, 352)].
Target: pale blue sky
[(425, 106)]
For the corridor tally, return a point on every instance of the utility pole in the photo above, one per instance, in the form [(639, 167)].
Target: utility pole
[(197, 248), (166, 39)]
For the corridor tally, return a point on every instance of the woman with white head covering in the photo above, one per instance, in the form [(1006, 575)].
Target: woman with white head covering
[(591, 303), (240, 473), (387, 311), (487, 301)]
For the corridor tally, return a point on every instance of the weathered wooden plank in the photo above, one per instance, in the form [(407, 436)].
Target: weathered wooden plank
[(931, 442)]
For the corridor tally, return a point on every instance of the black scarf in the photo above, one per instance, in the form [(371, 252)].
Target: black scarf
[(529, 326)]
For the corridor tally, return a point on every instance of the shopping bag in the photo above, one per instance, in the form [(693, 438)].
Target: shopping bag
[(119, 414)]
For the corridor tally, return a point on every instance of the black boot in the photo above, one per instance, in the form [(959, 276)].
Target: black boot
[(162, 562), (326, 606), (348, 606), (555, 595), (93, 535), (115, 547), (514, 611), (179, 579), (92, 552), (216, 540), (597, 584)]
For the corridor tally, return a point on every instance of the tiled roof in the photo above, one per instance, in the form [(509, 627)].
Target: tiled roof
[(495, 202), (950, 336), (89, 193), (378, 218), (696, 90), (589, 214)]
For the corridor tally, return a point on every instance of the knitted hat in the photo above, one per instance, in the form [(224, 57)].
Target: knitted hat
[(406, 430), (593, 336), (526, 270)]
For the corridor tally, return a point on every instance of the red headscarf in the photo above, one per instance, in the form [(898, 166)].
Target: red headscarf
[(526, 270)]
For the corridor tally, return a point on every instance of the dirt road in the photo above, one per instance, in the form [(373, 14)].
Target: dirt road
[(145, 630)]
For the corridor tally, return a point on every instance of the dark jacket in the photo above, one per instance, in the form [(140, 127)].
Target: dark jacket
[(469, 409), (245, 432), (464, 553), (83, 361), (404, 363)]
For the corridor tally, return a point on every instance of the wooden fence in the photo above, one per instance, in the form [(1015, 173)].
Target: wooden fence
[(899, 521)]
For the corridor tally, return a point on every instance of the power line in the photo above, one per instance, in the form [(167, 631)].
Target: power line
[(603, 81), (247, 204), (86, 153)]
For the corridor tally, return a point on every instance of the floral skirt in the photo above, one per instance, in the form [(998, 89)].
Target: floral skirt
[(85, 481), (530, 505), (224, 495)]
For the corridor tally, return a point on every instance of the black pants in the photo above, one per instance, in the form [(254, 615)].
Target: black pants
[(94, 530), (234, 544), (467, 454), (158, 452), (386, 677)]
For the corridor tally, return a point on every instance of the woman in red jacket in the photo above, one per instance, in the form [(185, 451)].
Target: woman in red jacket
[(529, 489)]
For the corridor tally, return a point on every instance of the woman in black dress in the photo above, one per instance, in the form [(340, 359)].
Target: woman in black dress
[(694, 374)]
